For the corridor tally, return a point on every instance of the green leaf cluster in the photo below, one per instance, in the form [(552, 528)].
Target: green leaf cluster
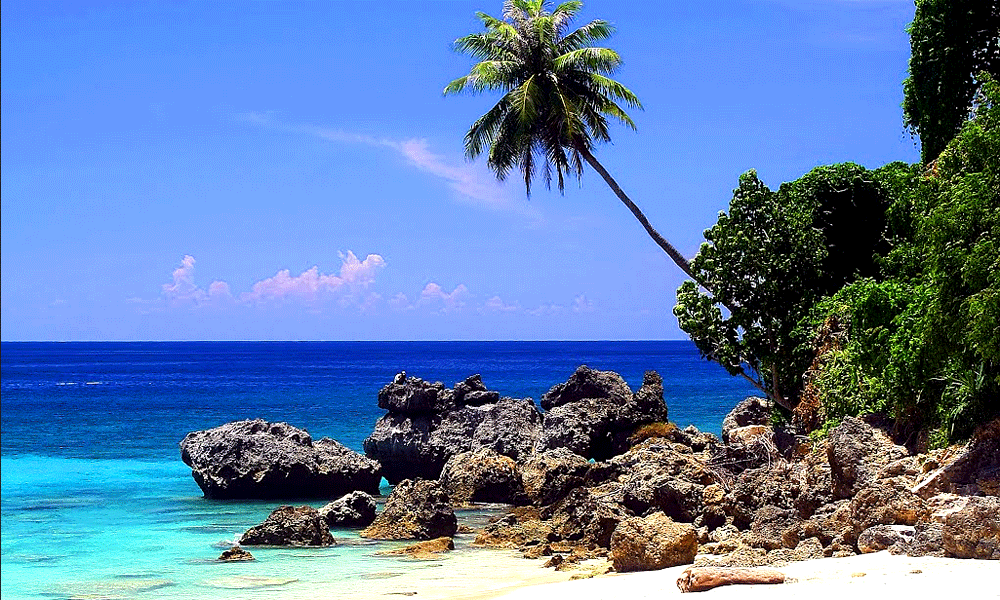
[(557, 86), (770, 259), (925, 335), (952, 42), (901, 263)]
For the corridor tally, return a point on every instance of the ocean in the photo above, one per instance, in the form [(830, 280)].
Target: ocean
[(97, 504)]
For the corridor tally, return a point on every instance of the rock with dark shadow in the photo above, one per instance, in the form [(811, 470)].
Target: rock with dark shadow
[(290, 526), (751, 411), (857, 453), (257, 459), (548, 476), (482, 476), (356, 509), (427, 424), (415, 510), (235, 554), (594, 413)]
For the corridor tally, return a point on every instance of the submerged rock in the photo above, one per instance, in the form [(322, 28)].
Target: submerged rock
[(423, 550), (257, 459), (236, 554), (356, 509), (290, 526), (415, 510)]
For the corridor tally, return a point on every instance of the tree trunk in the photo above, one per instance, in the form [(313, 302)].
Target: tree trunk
[(699, 579), (667, 247)]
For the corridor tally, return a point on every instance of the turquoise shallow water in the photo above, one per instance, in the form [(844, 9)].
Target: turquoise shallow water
[(97, 504)]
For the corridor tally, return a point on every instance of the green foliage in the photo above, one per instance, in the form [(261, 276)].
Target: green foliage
[(925, 337), (770, 259), (951, 42), (557, 90)]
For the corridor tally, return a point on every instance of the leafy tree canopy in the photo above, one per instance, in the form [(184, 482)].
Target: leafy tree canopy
[(924, 336), (951, 42), (770, 259)]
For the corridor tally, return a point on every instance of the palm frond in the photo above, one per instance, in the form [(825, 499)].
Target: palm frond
[(485, 130), (611, 88), (599, 60), (559, 97), (564, 14), (586, 35)]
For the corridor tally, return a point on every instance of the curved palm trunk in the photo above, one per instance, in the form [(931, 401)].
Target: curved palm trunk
[(676, 256), (667, 247)]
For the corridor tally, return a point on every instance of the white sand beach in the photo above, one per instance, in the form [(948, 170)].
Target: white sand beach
[(880, 575)]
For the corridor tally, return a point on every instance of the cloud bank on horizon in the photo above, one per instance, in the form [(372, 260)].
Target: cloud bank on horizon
[(315, 291)]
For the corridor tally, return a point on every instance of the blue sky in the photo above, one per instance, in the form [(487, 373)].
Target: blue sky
[(287, 170)]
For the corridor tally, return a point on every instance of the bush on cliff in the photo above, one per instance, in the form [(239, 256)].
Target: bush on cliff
[(924, 335)]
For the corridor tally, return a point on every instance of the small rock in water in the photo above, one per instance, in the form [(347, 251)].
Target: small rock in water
[(423, 550), (236, 554)]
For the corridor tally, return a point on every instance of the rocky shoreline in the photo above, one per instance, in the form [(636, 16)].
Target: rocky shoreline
[(601, 474)]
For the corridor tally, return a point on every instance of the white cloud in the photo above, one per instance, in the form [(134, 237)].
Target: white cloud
[(349, 286), (400, 302), (434, 295), (496, 304), (311, 285), (546, 309), (473, 184), (581, 304), (182, 290)]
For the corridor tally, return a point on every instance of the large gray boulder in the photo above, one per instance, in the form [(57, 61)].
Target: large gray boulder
[(257, 459), (415, 510), (751, 411), (290, 526), (594, 413), (482, 476), (655, 476), (548, 476), (412, 395), (427, 424), (857, 453), (356, 509), (586, 517), (587, 383)]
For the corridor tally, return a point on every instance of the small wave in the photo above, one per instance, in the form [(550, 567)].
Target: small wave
[(94, 383), (66, 383), (226, 544)]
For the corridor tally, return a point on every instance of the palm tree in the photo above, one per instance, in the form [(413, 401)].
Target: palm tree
[(557, 98)]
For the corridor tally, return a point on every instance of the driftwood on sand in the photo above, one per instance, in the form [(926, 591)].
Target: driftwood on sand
[(699, 579)]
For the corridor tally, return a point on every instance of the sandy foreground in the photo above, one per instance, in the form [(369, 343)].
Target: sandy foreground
[(880, 575)]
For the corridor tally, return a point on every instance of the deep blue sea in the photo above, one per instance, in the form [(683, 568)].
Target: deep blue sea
[(97, 504)]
